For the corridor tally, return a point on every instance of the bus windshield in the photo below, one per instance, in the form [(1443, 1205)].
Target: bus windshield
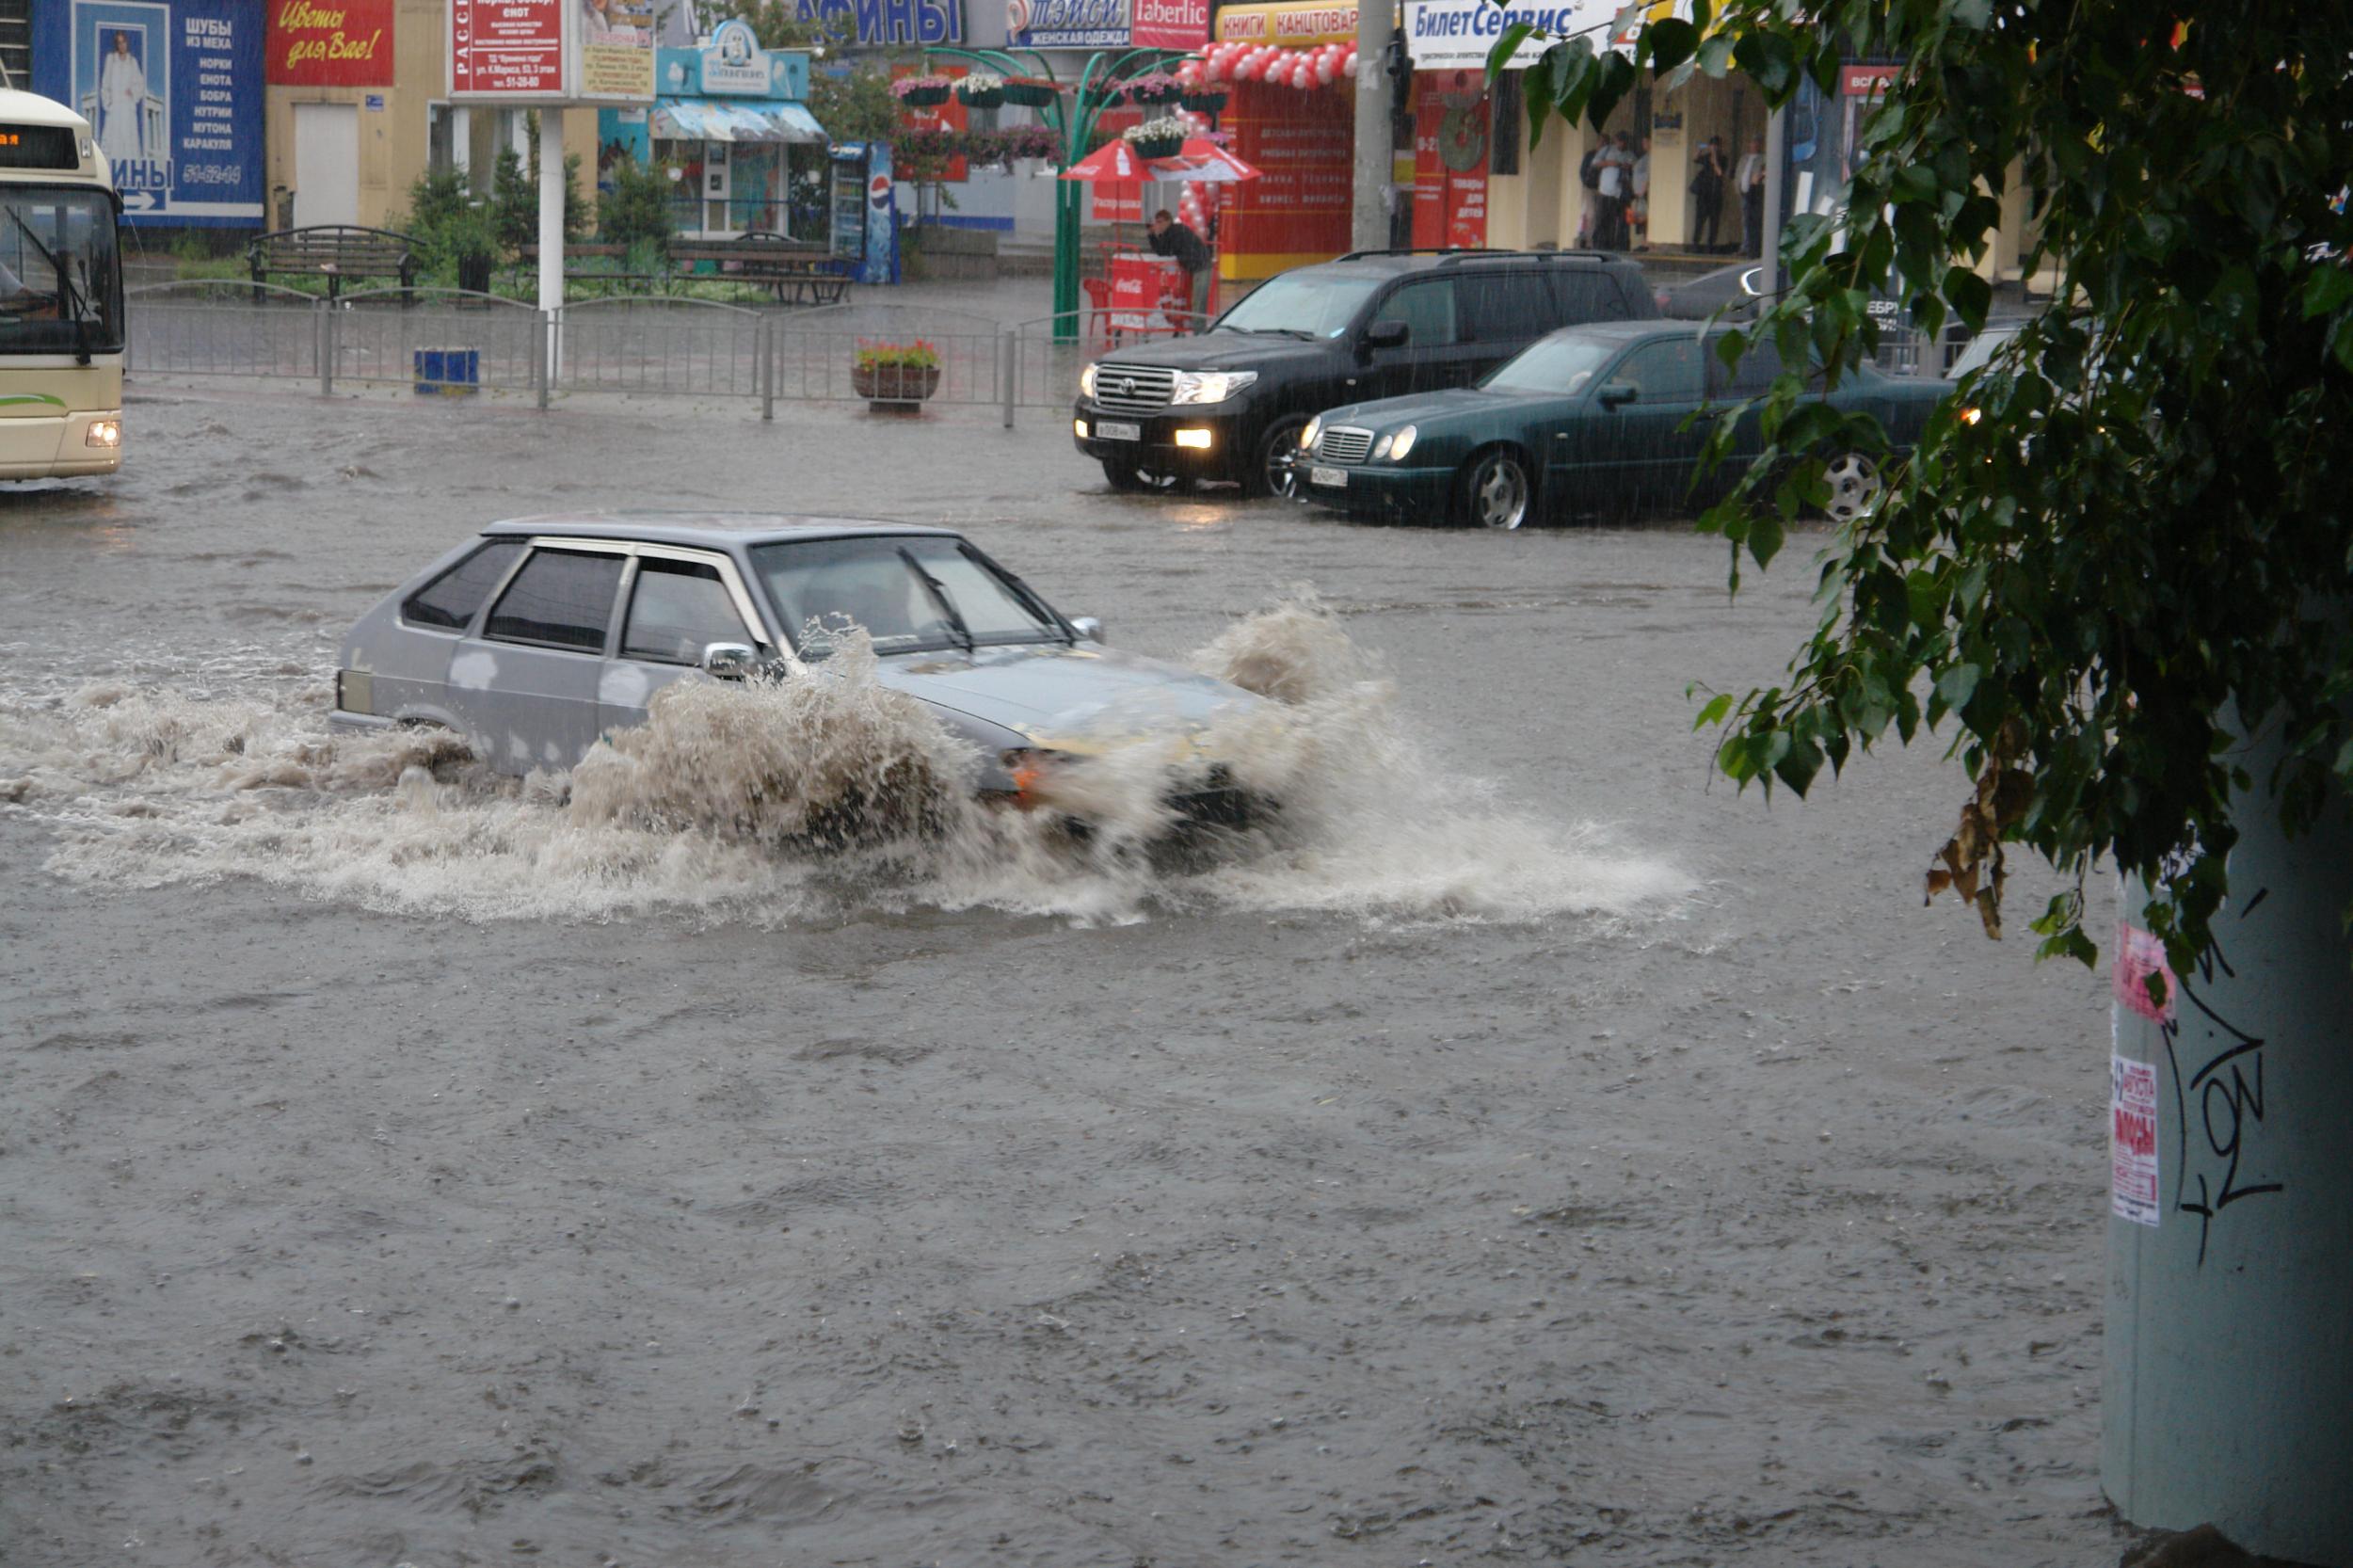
[(61, 283)]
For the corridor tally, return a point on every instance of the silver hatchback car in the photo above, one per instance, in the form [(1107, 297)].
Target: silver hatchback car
[(542, 634)]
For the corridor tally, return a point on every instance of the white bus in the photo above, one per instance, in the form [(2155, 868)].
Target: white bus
[(60, 296)]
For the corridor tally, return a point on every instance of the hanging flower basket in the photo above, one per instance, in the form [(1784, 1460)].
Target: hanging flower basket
[(1157, 138), (895, 376), (1029, 93), (1153, 87), (922, 92), (1206, 101), (982, 89)]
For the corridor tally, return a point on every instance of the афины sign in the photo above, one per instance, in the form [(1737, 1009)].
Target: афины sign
[(330, 44)]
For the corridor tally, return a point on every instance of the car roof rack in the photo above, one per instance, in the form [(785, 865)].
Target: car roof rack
[(1459, 253)]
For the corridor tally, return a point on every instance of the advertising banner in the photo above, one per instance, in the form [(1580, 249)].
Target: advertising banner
[(1301, 208), (1455, 35), (1291, 22), (507, 49), (172, 89), (1171, 24), (1068, 24), (617, 48), (886, 23), (329, 43)]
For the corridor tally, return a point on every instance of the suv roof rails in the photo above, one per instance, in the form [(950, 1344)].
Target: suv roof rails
[(1424, 250), (1456, 254)]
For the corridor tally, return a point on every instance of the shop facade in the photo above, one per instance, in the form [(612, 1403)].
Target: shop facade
[(1292, 116), (729, 127)]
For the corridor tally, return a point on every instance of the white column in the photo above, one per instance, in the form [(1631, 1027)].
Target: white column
[(461, 142), (551, 226)]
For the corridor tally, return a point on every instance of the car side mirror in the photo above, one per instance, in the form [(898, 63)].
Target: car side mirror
[(1088, 627), (1387, 334), (730, 661), (1615, 393)]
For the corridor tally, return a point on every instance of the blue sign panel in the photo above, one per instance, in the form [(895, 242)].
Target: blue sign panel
[(172, 89), (889, 21)]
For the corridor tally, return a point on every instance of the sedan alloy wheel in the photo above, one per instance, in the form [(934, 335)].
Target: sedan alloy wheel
[(1496, 491), (1855, 486)]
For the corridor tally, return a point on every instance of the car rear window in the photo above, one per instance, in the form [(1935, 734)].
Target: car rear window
[(1503, 307), (560, 599), (1587, 297), (450, 599)]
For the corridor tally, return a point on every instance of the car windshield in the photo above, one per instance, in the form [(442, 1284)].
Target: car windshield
[(1560, 365), (1980, 351), (910, 592), (1309, 303), (61, 290)]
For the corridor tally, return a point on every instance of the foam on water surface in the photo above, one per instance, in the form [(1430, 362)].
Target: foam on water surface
[(806, 800)]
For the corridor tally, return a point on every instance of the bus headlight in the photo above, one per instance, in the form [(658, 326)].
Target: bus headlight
[(103, 432)]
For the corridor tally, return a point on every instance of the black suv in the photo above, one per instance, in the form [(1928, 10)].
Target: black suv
[(1230, 403)]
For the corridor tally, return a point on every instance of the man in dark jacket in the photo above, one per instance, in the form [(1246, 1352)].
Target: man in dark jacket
[(1172, 238)]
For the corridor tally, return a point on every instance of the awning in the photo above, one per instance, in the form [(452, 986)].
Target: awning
[(720, 119)]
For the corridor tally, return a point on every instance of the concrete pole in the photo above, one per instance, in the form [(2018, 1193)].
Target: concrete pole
[(2230, 1371), (552, 183), (1369, 228), (1776, 147)]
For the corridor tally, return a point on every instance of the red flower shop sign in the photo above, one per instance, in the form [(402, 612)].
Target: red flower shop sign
[(330, 44)]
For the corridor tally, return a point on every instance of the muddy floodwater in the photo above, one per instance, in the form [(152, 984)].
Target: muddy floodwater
[(1535, 1152)]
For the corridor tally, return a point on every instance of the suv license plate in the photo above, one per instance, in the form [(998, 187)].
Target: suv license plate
[(1336, 477), (1111, 430)]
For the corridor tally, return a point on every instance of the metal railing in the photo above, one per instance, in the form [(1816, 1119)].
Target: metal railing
[(451, 339)]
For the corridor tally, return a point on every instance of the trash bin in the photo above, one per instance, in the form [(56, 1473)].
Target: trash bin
[(448, 370)]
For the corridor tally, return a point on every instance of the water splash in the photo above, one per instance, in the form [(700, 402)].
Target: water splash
[(808, 800)]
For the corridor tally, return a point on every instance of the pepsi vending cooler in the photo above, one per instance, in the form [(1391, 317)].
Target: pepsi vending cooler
[(865, 213)]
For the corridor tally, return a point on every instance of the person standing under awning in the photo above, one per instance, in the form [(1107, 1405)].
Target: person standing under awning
[(1172, 238)]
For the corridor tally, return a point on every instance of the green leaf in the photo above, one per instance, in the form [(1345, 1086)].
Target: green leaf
[(1971, 296), (2328, 290), (1499, 57), (1770, 59), (1957, 685), (1714, 711), (1715, 56), (1670, 41)]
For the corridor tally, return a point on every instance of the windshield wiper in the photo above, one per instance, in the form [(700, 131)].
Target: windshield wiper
[(1029, 597), (947, 601), (69, 302)]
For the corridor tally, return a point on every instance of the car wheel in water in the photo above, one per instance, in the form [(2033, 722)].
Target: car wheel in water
[(1277, 471), (1126, 477), (1494, 491), (1854, 485)]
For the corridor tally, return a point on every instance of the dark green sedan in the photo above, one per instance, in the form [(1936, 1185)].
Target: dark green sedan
[(1590, 421)]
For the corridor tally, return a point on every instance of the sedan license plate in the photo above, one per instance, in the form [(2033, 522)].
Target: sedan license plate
[(1336, 477), (1112, 430)]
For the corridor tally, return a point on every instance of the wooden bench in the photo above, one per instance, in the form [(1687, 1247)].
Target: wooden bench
[(793, 270), (339, 250)]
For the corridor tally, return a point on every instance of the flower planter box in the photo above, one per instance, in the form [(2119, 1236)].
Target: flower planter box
[(1161, 147), (924, 98), (986, 99), (1029, 95), (1201, 102), (895, 387)]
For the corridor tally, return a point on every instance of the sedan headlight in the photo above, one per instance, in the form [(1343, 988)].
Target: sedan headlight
[(1401, 443), (1309, 437), (1086, 382), (1209, 386)]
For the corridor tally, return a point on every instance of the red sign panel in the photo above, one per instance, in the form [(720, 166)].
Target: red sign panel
[(1171, 24), (1449, 168), (1867, 81), (329, 43), (506, 48), (1301, 208)]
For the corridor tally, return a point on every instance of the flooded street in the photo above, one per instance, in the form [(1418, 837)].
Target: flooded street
[(1539, 1153)]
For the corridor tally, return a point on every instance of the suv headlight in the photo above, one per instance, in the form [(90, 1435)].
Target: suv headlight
[(1209, 386), (1086, 382), (1401, 443), (1308, 436)]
